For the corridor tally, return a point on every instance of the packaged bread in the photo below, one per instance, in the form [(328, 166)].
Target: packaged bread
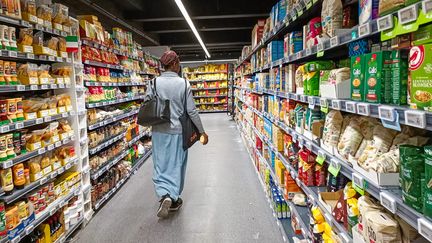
[(52, 43), (29, 7), (332, 128), (45, 13), (34, 165), (38, 38), (382, 227), (365, 205), (25, 37), (28, 73), (64, 126), (350, 139), (45, 161), (60, 13), (62, 44)]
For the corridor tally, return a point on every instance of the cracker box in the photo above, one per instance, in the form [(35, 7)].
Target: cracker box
[(377, 74), (357, 78), (420, 79)]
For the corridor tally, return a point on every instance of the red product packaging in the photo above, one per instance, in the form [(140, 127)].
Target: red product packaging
[(320, 173), (307, 166)]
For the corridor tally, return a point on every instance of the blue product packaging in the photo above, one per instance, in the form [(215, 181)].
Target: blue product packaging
[(282, 10), (368, 10), (295, 42), (358, 48)]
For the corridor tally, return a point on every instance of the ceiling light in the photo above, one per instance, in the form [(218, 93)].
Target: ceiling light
[(210, 61), (191, 25)]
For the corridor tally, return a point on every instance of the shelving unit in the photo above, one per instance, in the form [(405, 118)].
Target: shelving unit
[(378, 31)]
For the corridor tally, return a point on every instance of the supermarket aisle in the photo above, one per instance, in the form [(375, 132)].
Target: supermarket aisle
[(223, 199)]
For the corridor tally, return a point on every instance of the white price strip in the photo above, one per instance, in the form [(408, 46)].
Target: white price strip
[(308, 145), (7, 164), (51, 58), (293, 175), (16, 239), (323, 102), (304, 98), (336, 104), (308, 51), (320, 47), (298, 181), (20, 87), (408, 14), (4, 129), (364, 30), (30, 56), (41, 151), (19, 125), (415, 118), (357, 180), (299, 55), (427, 6), (47, 119), (385, 23), (334, 41), (33, 87), (39, 120), (386, 113), (425, 228), (388, 201), (43, 180), (50, 147), (363, 109), (13, 54), (29, 229), (311, 100), (351, 106)]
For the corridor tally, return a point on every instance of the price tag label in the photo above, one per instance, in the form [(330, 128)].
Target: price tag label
[(386, 113), (415, 118), (41, 151), (51, 58), (293, 175), (321, 158), (44, 86), (68, 166), (363, 109), (53, 86), (427, 6), (308, 145), (48, 119), (34, 87), (358, 183), (43, 180), (364, 30), (334, 41), (334, 167), (298, 181), (69, 60), (53, 211), (4, 129), (385, 23), (328, 217), (294, 138), (351, 107), (7, 164), (59, 59), (50, 147), (16, 239), (12, 54), (61, 170), (29, 229), (299, 55), (408, 14), (323, 102), (425, 228), (311, 100), (19, 125), (336, 104), (39, 120), (388, 201), (20, 87), (308, 51), (320, 47)]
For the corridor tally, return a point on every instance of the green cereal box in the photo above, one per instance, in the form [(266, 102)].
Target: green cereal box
[(420, 79), (357, 78), (399, 77), (427, 203), (377, 77)]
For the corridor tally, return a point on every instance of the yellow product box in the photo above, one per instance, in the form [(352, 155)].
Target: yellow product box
[(59, 80), (71, 178), (53, 111), (47, 170), (280, 172), (61, 109), (59, 188), (42, 50), (25, 49), (57, 26), (34, 146), (30, 116), (26, 80), (69, 108), (278, 138), (44, 80), (43, 113), (35, 177), (55, 139), (30, 17), (55, 166)]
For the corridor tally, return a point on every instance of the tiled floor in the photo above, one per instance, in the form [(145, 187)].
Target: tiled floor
[(223, 199)]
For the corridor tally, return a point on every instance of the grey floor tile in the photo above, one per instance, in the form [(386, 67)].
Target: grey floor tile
[(224, 201)]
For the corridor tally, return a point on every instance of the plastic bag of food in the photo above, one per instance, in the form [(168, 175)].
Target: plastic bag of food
[(28, 6), (34, 105), (60, 13), (25, 37), (339, 75), (332, 128), (44, 12), (38, 38), (62, 44), (52, 43), (387, 6), (61, 69), (350, 139), (331, 17), (382, 227)]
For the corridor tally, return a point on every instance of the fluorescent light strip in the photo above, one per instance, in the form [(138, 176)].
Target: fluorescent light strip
[(191, 25), (210, 61)]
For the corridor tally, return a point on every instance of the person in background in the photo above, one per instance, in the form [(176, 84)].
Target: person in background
[(169, 158)]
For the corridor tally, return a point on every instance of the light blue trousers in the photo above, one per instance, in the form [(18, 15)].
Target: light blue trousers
[(169, 162)]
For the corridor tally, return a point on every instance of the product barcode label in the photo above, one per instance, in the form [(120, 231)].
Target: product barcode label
[(336, 104), (334, 41), (425, 228), (388, 201), (13, 54), (364, 30), (408, 14), (351, 106), (363, 109), (16, 239), (69, 60), (385, 23), (334, 167), (50, 147), (68, 166), (320, 47), (415, 118), (308, 145), (386, 113), (53, 86)]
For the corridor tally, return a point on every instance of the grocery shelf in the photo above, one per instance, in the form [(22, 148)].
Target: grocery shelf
[(210, 96), (407, 116), (99, 46), (22, 56), (104, 65), (198, 89), (28, 123), (104, 168), (201, 73), (112, 119), (32, 154), (122, 181), (389, 196), (106, 143), (49, 211), (113, 102), (113, 84), (19, 193), (34, 87), (71, 230), (211, 103), (204, 80)]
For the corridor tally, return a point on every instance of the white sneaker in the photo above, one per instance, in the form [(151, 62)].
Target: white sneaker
[(164, 207)]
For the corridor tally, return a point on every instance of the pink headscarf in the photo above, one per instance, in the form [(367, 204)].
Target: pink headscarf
[(168, 58)]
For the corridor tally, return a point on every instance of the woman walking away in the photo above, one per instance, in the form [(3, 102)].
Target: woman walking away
[(169, 158)]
